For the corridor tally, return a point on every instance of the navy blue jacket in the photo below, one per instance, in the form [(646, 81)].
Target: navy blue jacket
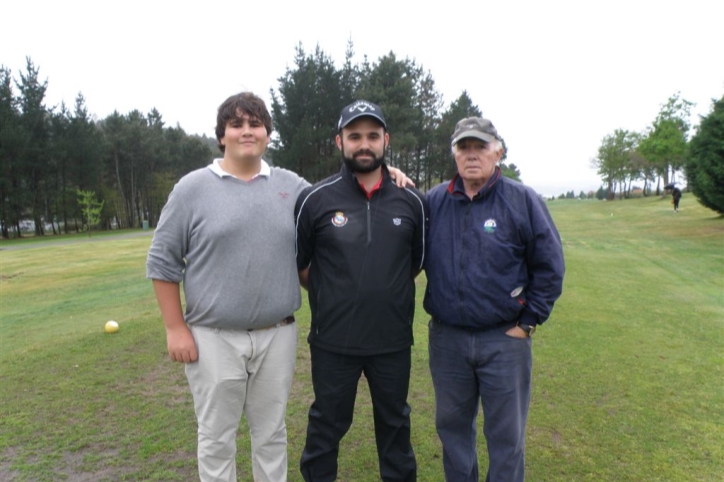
[(494, 259), (362, 256)]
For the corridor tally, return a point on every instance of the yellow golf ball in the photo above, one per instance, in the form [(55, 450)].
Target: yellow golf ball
[(111, 327)]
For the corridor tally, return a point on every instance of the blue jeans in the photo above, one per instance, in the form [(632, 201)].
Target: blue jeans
[(335, 378), (495, 369)]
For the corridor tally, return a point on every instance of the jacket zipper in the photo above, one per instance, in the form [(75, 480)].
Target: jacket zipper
[(369, 224), (465, 226)]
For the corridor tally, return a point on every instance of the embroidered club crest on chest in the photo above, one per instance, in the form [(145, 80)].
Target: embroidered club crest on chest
[(339, 219), (490, 226)]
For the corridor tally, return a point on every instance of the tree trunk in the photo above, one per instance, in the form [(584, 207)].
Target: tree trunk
[(118, 176)]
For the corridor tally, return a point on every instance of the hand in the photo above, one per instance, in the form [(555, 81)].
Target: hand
[(401, 180), (516, 332), (181, 345)]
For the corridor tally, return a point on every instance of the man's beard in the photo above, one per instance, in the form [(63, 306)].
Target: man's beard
[(355, 165)]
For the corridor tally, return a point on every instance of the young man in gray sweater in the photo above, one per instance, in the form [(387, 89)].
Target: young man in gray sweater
[(227, 232)]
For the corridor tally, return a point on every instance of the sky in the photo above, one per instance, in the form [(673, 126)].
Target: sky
[(554, 77)]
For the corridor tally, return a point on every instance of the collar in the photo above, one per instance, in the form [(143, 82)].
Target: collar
[(457, 187), (350, 177), (215, 167), (374, 188)]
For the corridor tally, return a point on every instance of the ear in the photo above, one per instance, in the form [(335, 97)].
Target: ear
[(387, 139), (338, 140), (499, 154)]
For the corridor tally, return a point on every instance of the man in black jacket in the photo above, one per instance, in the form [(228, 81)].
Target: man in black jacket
[(360, 244), (675, 198)]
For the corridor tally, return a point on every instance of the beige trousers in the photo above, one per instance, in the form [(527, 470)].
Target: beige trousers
[(242, 372)]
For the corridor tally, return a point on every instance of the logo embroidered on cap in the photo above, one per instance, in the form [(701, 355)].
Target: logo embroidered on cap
[(490, 226), (361, 106), (339, 219)]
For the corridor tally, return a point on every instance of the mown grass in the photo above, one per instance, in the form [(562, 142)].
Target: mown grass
[(627, 372)]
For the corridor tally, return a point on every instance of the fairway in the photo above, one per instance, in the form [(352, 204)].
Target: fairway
[(628, 372)]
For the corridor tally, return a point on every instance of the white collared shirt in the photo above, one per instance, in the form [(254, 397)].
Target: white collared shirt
[(215, 167)]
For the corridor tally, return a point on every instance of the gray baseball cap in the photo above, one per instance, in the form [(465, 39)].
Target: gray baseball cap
[(475, 127), (360, 108)]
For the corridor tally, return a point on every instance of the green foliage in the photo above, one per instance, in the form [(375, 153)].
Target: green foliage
[(665, 144), (11, 193), (34, 170), (614, 160), (395, 86), (305, 114), (90, 207), (705, 167), (443, 163), (306, 106), (46, 154), (510, 170)]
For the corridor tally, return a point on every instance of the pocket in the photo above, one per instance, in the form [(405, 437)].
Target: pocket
[(504, 329)]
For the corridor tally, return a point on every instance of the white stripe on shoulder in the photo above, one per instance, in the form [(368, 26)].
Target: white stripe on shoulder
[(424, 236), (304, 202)]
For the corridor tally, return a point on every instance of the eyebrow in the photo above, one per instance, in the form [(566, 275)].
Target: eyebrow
[(245, 117)]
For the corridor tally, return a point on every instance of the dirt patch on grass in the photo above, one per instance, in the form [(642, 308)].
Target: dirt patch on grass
[(91, 465), (167, 379), (9, 277), (6, 461)]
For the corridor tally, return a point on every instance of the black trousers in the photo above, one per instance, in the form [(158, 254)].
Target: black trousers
[(335, 378)]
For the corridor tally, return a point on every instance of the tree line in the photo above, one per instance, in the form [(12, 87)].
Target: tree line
[(663, 150), (51, 156), (306, 105)]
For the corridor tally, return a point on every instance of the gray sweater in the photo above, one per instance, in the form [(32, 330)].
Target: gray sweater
[(231, 243)]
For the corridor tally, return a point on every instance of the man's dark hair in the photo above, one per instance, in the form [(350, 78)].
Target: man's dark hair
[(237, 105)]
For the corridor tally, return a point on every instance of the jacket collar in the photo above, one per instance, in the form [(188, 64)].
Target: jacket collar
[(457, 188), (349, 176)]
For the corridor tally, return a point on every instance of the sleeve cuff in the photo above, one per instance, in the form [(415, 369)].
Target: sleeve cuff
[(528, 318)]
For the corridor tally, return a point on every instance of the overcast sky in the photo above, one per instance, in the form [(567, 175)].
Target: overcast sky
[(555, 77)]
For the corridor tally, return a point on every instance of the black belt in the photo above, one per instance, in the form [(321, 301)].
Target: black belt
[(286, 321)]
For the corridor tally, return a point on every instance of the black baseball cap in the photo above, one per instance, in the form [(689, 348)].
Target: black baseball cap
[(360, 108)]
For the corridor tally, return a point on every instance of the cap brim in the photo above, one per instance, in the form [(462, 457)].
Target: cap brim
[(362, 114), (483, 136)]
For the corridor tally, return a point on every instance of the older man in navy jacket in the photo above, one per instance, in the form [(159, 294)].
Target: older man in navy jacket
[(494, 269)]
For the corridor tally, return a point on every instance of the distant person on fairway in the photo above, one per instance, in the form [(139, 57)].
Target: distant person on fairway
[(494, 270), (675, 198), (227, 232), (360, 244)]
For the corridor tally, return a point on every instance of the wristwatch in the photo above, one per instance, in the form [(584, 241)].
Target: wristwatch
[(528, 329)]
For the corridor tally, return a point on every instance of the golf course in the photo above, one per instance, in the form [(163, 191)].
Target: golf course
[(628, 373)]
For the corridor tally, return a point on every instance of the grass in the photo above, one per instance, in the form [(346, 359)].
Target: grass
[(627, 372)]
